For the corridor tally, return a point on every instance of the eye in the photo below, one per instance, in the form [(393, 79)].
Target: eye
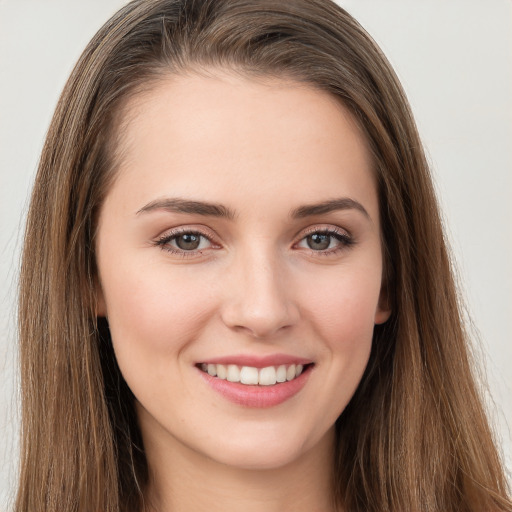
[(327, 241), (188, 241), (184, 242), (319, 241)]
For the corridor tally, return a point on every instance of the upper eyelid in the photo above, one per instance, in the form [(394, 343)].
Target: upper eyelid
[(171, 236), (172, 232), (322, 228)]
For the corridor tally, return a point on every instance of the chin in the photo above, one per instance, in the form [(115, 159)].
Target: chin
[(257, 459), (266, 450)]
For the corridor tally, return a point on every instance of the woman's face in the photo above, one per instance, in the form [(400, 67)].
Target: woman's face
[(240, 241)]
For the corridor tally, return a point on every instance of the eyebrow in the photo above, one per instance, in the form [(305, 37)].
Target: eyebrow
[(343, 203), (178, 205)]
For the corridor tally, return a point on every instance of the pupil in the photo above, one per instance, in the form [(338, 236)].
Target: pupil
[(188, 241), (319, 241)]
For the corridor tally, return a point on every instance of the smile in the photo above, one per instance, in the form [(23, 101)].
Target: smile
[(258, 386), (252, 376)]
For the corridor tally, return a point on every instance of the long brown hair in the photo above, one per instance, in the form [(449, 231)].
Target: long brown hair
[(413, 438)]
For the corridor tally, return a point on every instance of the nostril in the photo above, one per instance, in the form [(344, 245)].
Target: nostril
[(258, 323)]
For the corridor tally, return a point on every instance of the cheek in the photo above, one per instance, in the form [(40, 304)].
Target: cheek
[(344, 307), (152, 313), (341, 311)]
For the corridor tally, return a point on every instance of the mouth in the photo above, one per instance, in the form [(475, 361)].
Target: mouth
[(252, 376), (260, 386)]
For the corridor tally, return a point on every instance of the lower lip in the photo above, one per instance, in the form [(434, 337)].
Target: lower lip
[(257, 396)]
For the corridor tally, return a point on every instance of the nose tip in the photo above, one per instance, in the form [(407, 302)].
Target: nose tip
[(259, 323), (260, 304)]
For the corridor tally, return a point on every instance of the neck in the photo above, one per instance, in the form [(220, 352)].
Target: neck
[(183, 480)]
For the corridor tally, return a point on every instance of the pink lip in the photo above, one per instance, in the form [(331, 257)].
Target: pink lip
[(258, 361), (257, 396)]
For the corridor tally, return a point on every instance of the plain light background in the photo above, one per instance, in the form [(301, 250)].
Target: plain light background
[(455, 61)]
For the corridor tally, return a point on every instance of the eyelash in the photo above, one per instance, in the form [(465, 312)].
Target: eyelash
[(164, 242), (345, 241)]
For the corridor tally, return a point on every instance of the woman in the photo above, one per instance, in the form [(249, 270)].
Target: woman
[(235, 275)]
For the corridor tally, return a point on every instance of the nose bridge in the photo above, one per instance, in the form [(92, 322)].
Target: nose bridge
[(259, 299)]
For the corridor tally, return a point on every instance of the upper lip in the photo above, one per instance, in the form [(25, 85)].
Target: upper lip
[(258, 361)]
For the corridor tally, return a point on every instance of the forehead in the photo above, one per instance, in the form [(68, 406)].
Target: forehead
[(194, 134)]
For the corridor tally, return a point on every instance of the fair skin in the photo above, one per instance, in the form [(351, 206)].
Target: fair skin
[(242, 230)]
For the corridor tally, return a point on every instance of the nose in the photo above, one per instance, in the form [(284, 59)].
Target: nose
[(259, 297)]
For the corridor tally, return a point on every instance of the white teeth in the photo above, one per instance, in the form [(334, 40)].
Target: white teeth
[(249, 375), (233, 373), (222, 371), (281, 374), (267, 376), (252, 376)]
